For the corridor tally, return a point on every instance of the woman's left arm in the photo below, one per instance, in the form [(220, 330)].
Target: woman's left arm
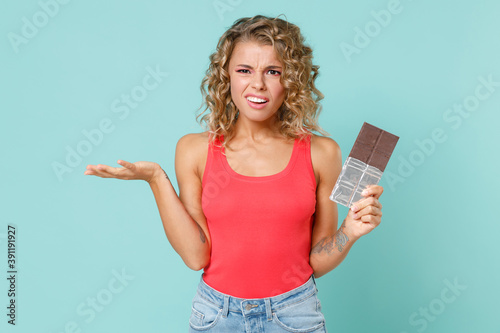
[(329, 245)]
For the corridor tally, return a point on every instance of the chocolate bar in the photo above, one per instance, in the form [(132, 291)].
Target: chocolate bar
[(364, 165)]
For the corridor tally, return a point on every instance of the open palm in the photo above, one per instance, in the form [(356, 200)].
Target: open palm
[(141, 170)]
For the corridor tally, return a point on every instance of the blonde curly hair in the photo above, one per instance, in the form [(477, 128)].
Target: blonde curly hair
[(299, 112)]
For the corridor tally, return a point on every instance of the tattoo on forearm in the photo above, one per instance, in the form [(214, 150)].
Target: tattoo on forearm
[(327, 244), (202, 234), (341, 238)]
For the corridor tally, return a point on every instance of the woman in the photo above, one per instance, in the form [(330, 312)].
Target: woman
[(253, 210)]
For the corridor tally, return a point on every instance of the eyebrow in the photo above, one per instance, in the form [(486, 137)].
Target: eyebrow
[(268, 67)]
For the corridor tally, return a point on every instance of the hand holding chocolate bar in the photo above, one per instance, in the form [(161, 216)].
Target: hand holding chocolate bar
[(365, 214), (357, 186)]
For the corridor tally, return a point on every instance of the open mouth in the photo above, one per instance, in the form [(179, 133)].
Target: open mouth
[(256, 100)]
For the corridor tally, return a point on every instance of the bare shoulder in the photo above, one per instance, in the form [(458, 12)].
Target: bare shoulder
[(325, 155), (191, 151), (324, 142), (193, 140)]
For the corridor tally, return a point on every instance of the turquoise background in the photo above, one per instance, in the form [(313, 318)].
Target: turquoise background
[(76, 232)]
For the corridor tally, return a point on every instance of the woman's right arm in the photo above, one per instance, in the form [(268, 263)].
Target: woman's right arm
[(182, 216)]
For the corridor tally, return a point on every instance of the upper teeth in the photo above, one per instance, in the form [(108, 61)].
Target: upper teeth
[(255, 99)]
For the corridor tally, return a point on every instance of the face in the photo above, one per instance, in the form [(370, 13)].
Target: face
[(255, 74)]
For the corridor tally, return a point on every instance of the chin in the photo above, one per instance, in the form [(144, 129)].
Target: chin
[(258, 115)]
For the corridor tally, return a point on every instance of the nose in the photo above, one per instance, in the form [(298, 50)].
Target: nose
[(258, 81)]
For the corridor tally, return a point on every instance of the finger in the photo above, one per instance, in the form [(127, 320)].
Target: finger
[(97, 167), (92, 170), (351, 215), (97, 173), (373, 191), (126, 164), (371, 219), (102, 174), (370, 201), (367, 211), (104, 171), (91, 167), (88, 170)]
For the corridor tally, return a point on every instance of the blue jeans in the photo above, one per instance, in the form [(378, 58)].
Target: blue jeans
[(298, 310)]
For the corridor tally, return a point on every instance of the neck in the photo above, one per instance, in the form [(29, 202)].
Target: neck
[(255, 131)]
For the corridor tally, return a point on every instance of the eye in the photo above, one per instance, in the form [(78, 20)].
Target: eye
[(274, 72), (246, 71)]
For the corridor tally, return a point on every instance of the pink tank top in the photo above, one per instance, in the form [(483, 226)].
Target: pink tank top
[(260, 227)]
